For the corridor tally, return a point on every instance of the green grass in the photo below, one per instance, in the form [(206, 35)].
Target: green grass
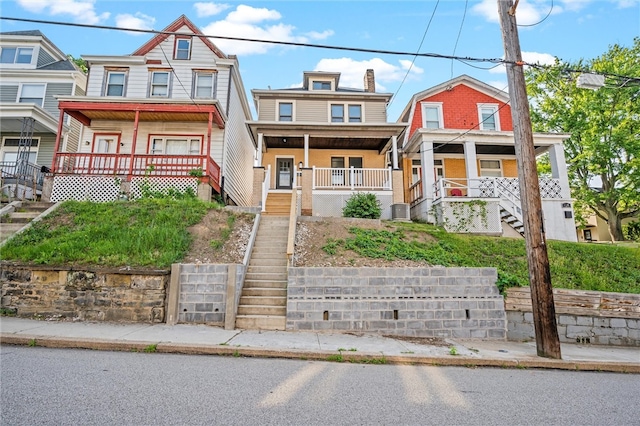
[(599, 267), (144, 233)]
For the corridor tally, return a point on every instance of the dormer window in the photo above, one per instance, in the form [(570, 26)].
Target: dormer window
[(182, 49), (488, 116), (432, 115), (16, 55), (321, 85)]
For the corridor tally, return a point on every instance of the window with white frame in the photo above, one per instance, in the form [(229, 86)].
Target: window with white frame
[(416, 171), (115, 83), (159, 84), (16, 55), (32, 93), (285, 111), (432, 116), (490, 168), (204, 86), (488, 116), (337, 113), (10, 147), (182, 48), (175, 145), (438, 169), (354, 111), (321, 85)]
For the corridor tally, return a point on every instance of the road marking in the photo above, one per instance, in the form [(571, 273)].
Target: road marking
[(287, 389)]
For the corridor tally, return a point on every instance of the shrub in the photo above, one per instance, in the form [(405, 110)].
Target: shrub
[(631, 231), (362, 205)]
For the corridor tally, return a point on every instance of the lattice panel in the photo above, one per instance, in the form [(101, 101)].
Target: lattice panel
[(486, 188), (550, 188), (98, 189), (509, 184), (330, 203), (463, 217), (161, 184)]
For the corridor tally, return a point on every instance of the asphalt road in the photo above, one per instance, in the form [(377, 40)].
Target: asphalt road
[(78, 387)]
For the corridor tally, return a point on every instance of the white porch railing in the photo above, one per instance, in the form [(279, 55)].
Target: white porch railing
[(352, 178), (266, 184)]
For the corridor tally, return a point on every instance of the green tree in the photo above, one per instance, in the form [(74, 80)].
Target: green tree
[(603, 151), (80, 63)]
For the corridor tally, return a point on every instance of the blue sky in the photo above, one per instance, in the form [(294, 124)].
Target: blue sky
[(573, 30)]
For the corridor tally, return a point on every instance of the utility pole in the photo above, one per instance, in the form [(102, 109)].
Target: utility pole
[(544, 313)]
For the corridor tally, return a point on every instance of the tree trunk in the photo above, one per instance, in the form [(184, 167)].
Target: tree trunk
[(615, 225)]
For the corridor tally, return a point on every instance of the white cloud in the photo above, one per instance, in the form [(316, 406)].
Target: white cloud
[(352, 71), (82, 11), (527, 13), (139, 21), (254, 23), (530, 58), (210, 9)]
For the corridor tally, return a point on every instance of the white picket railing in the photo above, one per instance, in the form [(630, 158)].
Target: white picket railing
[(352, 178)]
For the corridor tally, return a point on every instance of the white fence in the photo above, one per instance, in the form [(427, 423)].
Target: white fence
[(352, 178)]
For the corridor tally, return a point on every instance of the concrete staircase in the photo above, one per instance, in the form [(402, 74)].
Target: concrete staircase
[(278, 204), (19, 215), (512, 221), (263, 302)]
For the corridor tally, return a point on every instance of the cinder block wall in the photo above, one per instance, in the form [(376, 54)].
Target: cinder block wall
[(425, 302), (91, 295), (203, 292)]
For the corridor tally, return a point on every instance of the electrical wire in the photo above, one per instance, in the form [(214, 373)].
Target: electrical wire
[(173, 71), (541, 21), (464, 15)]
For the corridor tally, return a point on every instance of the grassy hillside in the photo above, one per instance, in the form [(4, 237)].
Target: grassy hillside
[(153, 233)]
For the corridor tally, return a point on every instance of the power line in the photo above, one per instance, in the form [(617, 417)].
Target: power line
[(540, 21), (464, 15)]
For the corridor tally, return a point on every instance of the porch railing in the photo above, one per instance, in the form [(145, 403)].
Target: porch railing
[(22, 172), (266, 184), (138, 165), (489, 187), (352, 178)]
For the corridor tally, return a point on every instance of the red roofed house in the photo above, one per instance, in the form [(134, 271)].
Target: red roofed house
[(459, 147), (171, 114)]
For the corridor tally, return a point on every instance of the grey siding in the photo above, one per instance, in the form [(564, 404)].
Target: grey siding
[(8, 93), (44, 58), (237, 168), (316, 111), (46, 147), (53, 90), (74, 136), (375, 112), (267, 110), (79, 91)]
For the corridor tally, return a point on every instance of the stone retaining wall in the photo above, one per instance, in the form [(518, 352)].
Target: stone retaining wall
[(92, 295), (425, 302)]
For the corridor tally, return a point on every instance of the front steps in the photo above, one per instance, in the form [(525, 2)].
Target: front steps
[(21, 215), (512, 221), (278, 204), (263, 302)]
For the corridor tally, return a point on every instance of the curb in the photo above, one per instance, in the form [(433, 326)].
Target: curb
[(329, 356)]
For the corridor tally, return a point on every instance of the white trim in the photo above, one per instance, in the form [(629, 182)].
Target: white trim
[(293, 110), (345, 112), (480, 168), (438, 106), (495, 108), (21, 87), (105, 86), (151, 84)]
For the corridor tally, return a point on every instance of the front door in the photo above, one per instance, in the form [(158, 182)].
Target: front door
[(284, 178)]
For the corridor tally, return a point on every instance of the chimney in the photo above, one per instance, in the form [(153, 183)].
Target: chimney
[(369, 82)]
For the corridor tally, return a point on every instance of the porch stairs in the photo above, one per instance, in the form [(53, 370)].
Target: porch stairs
[(263, 301), (511, 220), (20, 217), (278, 204)]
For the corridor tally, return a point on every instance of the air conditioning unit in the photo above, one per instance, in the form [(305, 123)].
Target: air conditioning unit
[(400, 212)]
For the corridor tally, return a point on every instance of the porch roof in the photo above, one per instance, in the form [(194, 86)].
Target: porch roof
[(326, 136), (13, 113), (86, 109)]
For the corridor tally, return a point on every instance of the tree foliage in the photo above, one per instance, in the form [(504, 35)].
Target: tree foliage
[(603, 150), (80, 63)]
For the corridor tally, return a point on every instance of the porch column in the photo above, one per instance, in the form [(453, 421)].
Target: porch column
[(258, 181), (306, 150), (559, 168), (209, 127), (428, 176), (58, 137), (394, 152), (471, 166), (258, 160), (136, 121), (306, 208)]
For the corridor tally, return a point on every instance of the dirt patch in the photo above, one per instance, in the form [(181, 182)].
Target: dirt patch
[(430, 341)]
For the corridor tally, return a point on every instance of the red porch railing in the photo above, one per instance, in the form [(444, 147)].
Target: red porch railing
[(138, 165)]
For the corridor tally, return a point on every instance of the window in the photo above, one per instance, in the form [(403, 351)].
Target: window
[(159, 86), (488, 116), (338, 172), (182, 48), (432, 116), (337, 113), (10, 148), (490, 168), (321, 85), (16, 55), (32, 93), (355, 113), (174, 145), (438, 169), (204, 85), (285, 111), (116, 81), (416, 171)]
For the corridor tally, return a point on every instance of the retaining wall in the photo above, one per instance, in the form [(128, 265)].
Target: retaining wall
[(425, 302)]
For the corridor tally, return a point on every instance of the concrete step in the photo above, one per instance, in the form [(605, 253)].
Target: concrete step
[(265, 291), (267, 254), (257, 276), (263, 300), (264, 284), (19, 217), (262, 310), (261, 322), (280, 262), (267, 269), (12, 227)]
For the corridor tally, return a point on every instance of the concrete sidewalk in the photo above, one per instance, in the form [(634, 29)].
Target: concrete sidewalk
[(364, 348)]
